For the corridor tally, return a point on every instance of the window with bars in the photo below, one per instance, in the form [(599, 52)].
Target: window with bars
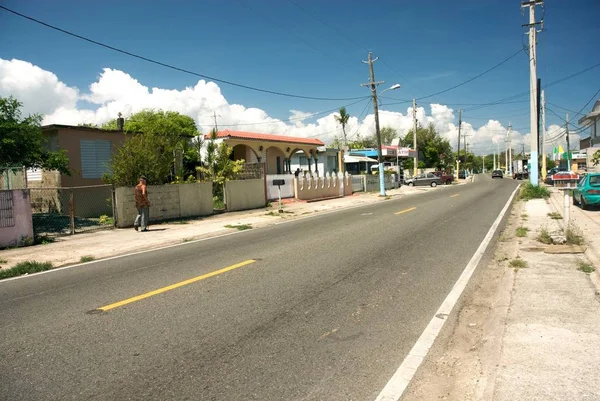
[(7, 207)]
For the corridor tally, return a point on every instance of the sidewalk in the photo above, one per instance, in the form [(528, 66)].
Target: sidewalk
[(523, 333), (107, 243), (549, 348)]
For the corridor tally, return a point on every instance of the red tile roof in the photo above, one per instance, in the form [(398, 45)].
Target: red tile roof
[(266, 137)]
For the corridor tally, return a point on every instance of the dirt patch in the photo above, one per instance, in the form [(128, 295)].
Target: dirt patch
[(463, 359)]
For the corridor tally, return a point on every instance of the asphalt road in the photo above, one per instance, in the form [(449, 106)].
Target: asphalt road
[(327, 311)]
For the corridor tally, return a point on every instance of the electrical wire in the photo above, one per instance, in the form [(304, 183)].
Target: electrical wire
[(149, 60), (472, 79), (291, 119)]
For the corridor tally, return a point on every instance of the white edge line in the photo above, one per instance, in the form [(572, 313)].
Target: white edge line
[(396, 386)]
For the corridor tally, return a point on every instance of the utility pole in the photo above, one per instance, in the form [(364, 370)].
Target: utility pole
[(415, 138), (494, 153), (483, 165), (568, 145), (373, 86), (506, 153), (215, 117), (533, 174), (458, 152), (498, 151), (544, 167), (509, 148)]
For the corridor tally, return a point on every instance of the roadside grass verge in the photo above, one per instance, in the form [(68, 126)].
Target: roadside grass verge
[(25, 268), (574, 236), (239, 227), (522, 231), (518, 264), (585, 267), (86, 258), (544, 236), (555, 216), (529, 191)]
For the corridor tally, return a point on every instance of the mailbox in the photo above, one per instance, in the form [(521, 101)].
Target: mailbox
[(278, 182)]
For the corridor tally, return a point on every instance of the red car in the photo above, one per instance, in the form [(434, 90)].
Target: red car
[(447, 179)]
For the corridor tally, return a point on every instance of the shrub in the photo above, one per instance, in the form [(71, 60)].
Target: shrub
[(574, 236), (529, 191), (522, 231), (544, 237), (518, 263)]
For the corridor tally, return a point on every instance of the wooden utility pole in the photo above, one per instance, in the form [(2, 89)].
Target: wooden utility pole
[(215, 117), (373, 86)]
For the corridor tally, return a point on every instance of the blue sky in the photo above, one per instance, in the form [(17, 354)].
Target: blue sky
[(315, 48)]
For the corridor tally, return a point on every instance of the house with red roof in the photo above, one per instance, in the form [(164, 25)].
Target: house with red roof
[(275, 151)]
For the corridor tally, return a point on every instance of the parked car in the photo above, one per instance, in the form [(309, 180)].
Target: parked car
[(424, 179), (497, 174), (447, 178), (587, 192)]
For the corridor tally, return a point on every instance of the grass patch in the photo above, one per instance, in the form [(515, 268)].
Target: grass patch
[(529, 191), (585, 267), (25, 268), (271, 213), (86, 258), (518, 263), (555, 216), (544, 237), (574, 236), (239, 227), (186, 240), (2, 261), (522, 231)]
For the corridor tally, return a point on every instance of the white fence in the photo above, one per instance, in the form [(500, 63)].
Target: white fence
[(287, 190)]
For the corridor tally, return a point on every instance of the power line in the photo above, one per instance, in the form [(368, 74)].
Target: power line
[(271, 92), (472, 79), (291, 119), (556, 82)]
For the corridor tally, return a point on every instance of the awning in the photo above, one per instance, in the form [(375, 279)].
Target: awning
[(358, 159)]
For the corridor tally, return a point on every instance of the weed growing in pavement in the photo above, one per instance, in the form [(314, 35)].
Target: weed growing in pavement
[(505, 238), (544, 236), (186, 240), (574, 236), (529, 191), (524, 216), (271, 213), (86, 258), (585, 267), (522, 231), (106, 220), (518, 263), (555, 216), (2, 261), (306, 213), (25, 268), (240, 227)]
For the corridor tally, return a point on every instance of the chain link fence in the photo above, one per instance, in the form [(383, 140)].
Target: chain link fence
[(13, 178), (64, 211)]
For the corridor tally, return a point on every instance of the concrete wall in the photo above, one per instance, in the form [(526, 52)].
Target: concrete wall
[(371, 183), (310, 188), (245, 194), (168, 202), (287, 190), (21, 217)]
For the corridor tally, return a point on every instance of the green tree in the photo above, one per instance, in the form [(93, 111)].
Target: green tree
[(363, 143), (388, 134), (342, 118), (160, 145), (596, 157), (22, 143), (434, 150), (219, 167)]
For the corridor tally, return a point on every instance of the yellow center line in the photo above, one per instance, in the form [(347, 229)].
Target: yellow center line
[(174, 286), (455, 195), (406, 210)]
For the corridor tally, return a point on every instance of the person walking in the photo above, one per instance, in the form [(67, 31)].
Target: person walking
[(142, 204)]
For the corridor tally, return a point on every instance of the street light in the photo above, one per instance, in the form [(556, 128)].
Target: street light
[(378, 133)]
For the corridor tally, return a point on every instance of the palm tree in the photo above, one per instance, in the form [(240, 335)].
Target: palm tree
[(342, 119)]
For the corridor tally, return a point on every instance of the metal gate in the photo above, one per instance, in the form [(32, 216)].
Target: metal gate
[(64, 211)]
